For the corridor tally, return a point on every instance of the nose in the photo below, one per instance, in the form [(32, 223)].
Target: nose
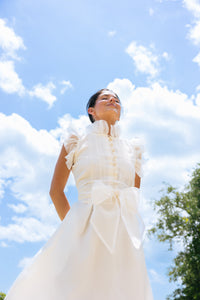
[(112, 99)]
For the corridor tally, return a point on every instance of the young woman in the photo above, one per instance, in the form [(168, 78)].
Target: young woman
[(96, 253)]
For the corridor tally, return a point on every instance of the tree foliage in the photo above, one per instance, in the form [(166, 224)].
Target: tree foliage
[(2, 296), (179, 221)]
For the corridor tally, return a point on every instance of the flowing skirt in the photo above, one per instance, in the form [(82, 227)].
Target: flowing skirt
[(75, 265)]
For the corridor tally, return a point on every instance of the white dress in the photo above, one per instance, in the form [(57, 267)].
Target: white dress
[(96, 253)]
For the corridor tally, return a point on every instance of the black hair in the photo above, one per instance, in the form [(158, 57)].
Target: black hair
[(93, 99)]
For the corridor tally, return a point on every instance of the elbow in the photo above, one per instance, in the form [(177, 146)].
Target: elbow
[(52, 193), (55, 193)]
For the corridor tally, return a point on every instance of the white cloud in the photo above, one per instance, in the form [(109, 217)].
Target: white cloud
[(26, 229), (194, 30), (151, 11), (2, 189), (25, 262), (3, 245), (44, 92), (15, 128), (68, 125), (9, 41), (157, 277), (198, 100), (198, 88), (197, 59), (194, 33), (166, 56), (9, 79), (112, 33), (27, 160), (66, 85), (144, 60), (193, 6), (19, 208)]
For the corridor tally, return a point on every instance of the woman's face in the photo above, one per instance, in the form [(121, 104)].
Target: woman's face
[(107, 107)]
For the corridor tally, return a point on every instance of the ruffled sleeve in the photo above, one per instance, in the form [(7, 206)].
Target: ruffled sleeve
[(138, 151), (70, 143)]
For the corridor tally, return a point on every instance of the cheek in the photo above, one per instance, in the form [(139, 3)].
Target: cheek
[(99, 107)]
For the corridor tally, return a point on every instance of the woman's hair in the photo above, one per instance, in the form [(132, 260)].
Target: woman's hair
[(93, 99)]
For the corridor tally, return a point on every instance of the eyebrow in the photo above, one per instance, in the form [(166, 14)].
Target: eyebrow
[(106, 95)]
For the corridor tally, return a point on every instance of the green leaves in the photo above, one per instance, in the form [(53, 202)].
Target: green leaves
[(179, 220), (2, 296)]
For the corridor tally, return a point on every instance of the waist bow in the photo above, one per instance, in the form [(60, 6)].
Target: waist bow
[(109, 204)]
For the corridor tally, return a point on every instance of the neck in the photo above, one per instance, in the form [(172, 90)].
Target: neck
[(109, 126), (110, 122)]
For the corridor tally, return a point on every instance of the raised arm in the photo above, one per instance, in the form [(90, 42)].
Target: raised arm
[(59, 180)]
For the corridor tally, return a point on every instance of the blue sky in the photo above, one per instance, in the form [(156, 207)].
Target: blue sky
[(53, 56)]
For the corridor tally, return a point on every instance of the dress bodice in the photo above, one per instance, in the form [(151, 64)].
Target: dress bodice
[(98, 156), (104, 168)]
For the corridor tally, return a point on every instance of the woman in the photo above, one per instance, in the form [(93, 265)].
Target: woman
[(96, 253)]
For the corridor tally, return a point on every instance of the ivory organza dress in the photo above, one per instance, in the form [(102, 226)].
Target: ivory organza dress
[(96, 253)]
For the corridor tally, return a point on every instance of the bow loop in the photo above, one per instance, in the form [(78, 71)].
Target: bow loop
[(101, 192), (109, 205), (131, 217), (130, 198), (106, 214)]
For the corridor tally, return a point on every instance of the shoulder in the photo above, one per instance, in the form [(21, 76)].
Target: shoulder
[(138, 145), (70, 139), (135, 146)]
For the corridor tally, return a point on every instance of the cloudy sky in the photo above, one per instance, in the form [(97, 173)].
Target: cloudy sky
[(53, 56)]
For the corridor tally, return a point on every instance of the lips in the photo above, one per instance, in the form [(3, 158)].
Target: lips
[(111, 105)]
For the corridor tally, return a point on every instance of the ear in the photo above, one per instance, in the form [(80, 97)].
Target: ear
[(91, 111)]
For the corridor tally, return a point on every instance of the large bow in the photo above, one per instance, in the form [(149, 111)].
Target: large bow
[(108, 205)]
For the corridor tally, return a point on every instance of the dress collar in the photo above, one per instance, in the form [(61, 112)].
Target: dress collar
[(101, 127)]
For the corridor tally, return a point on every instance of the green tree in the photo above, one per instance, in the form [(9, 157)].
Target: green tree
[(2, 296), (179, 221)]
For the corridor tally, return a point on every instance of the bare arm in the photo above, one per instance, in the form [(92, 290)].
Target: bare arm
[(137, 181), (59, 180), (137, 177)]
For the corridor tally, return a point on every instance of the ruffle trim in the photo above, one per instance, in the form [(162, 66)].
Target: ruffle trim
[(101, 127), (139, 150), (70, 141)]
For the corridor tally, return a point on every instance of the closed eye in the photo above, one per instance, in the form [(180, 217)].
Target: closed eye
[(106, 98)]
